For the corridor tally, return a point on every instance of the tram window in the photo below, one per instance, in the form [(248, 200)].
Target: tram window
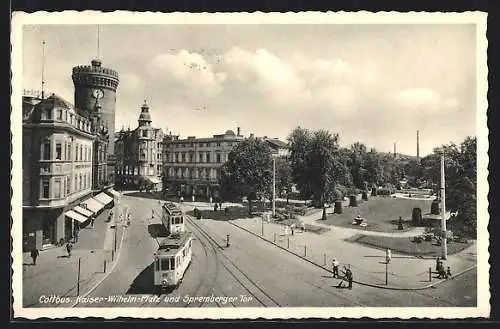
[(181, 220), (165, 264), (157, 264), (172, 263)]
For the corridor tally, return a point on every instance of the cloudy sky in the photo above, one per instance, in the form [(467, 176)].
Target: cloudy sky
[(376, 84)]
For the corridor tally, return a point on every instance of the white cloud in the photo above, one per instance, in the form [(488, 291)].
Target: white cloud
[(423, 100), (187, 68)]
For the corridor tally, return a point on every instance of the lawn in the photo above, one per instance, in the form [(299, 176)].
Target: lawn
[(406, 245), (380, 213), (309, 228)]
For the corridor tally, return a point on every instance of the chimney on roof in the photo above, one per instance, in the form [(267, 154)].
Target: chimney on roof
[(238, 131)]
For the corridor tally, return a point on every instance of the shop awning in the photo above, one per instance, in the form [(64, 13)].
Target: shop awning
[(92, 205), (103, 198), (113, 193), (76, 216), (83, 211), (153, 180)]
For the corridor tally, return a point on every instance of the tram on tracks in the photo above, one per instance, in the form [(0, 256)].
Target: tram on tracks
[(174, 253)]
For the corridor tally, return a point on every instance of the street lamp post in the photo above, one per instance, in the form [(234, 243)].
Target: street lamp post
[(443, 210), (274, 186)]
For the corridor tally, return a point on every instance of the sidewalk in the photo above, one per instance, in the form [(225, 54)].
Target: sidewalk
[(368, 265), (56, 274)]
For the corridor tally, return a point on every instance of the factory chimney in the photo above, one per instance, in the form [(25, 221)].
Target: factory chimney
[(418, 146)]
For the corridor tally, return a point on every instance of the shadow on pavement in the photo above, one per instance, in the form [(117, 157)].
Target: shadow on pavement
[(144, 284), (157, 230)]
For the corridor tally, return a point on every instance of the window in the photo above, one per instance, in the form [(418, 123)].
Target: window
[(183, 157), (46, 114), (218, 158), (81, 152), (218, 144), (80, 179), (59, 114), (201, 156), (144, 133), (68, 186), (208, 144), (58, 151), (208, 157), (69, 151), (46, 189), (46, 151), (57, 188)]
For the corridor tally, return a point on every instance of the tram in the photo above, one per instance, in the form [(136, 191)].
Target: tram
[(174, 253)]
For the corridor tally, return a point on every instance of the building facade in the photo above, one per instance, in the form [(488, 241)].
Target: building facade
[(97, 84), (192, 165), (139, 154), (57, 167)]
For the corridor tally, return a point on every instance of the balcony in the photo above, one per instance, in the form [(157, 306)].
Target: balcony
[(55, 168)]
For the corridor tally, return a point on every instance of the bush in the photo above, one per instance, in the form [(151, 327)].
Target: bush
[(417, 239), (338, 207), (416, 216), (385, 191), (353, 201), (435, 207)]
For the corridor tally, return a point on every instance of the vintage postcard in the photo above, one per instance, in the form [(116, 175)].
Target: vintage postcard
[(249, 165)]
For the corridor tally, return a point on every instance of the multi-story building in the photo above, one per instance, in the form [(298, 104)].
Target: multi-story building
[(192, 165), (57, 168), (139, 154)]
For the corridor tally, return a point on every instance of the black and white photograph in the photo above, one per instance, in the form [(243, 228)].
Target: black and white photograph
[(226, 166)]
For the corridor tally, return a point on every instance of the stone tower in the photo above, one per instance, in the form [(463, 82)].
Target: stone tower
[(95, 84)]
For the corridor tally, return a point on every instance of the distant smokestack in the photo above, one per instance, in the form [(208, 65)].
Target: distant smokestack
[(238, 130), (418, 146), (395, 154)]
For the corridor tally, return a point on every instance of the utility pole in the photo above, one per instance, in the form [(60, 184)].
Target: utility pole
[(443, 209)]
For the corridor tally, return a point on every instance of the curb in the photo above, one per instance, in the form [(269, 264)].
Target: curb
[(107, 274), (358, 282)]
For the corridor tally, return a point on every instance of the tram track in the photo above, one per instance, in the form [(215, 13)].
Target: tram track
[(206, 281), (324, 288), (271, 301)]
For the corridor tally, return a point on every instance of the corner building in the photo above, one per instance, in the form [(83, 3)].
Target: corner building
[(96, 85), (57, 168), (139, 154)]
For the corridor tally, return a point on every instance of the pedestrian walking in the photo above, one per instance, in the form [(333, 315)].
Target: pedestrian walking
[(438, 261), (128, 219), (69, 247), (216, 206), (349, 277), (335, 268), (92, 221), (303, 227), (34, 255), (182, 199), (448, 272)]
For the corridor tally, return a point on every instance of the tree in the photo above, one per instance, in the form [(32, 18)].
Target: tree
[(283, 177), (299, 141), (248, 171), (323, 165), (461, 180)]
